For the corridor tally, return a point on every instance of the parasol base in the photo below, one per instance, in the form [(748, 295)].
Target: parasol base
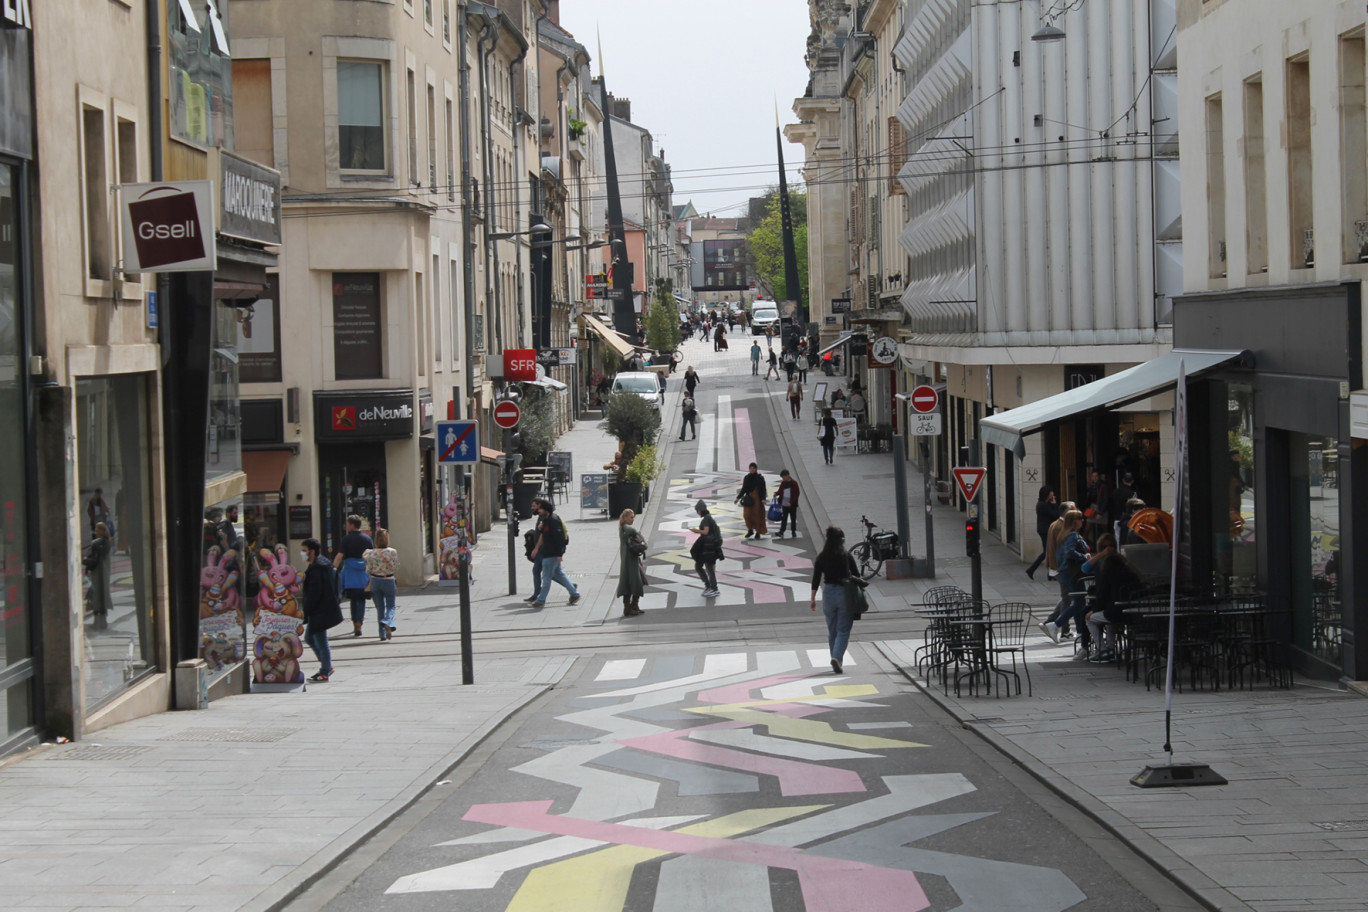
[(1177, 775)]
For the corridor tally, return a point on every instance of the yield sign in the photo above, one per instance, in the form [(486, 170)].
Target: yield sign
[(969, 479)]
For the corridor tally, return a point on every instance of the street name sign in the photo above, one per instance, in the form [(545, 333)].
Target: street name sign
[(969, 479), (458, 442)]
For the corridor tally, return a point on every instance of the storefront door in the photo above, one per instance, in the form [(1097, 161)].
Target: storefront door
[(352, 479)]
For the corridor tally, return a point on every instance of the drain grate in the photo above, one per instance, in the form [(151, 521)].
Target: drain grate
[(1339, 826), (254, 735), (101, 753)]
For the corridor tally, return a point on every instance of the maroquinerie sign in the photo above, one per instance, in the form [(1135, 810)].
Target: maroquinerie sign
[(250, 195), (168, 226), (16, 14)]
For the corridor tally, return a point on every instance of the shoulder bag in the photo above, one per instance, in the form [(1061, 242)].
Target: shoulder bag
[(855, 600)]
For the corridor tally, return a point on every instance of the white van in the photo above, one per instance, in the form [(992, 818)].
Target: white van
[(644, 383), (763, 315)]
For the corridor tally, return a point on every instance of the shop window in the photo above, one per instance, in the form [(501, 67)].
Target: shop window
[(1318, 619), (201, 70), (1255, 179), (96, 187), (357, 335), (360, 116), (1233, 525), (258, 336), (1299, 201), (223, 448), (114, 469)]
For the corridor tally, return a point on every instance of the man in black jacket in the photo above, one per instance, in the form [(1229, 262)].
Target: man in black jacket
[(549, 550), (752, 497)]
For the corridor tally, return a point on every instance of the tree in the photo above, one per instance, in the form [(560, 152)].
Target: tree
[(766, 245), (633, 421), (662, 319)]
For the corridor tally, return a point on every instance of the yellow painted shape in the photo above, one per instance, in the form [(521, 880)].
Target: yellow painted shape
[(806, 729), (600, 879)]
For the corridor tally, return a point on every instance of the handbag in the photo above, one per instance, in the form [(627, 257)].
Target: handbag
[(775, 512), (636, 544), (746, 501), (855, 600)]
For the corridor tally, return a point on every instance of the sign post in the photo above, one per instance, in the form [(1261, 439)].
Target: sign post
[(970, 481)]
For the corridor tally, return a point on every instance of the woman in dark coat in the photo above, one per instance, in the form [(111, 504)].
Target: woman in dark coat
[(1047, 511), (321, 608), (631, 574)]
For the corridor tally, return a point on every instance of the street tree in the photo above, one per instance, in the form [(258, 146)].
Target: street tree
[(765, 246)]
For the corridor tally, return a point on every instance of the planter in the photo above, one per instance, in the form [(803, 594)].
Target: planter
[(624, 495)]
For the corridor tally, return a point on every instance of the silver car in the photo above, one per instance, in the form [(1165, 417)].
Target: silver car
[(644, 383)]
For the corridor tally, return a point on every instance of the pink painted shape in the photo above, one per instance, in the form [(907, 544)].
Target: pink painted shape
[(745, 443), (795, 710), (795, 776), (829, 884), (740, 693)]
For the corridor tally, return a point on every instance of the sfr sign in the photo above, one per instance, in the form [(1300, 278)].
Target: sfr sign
[(520, 364)]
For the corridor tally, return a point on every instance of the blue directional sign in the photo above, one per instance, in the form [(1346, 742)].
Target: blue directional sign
[(458, 442)]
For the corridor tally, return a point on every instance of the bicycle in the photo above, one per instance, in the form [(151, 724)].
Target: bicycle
[(876, 548)]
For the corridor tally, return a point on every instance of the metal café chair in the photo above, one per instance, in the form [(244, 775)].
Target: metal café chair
[(1011, 621)]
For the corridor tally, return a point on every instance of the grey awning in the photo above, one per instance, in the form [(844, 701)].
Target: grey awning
[(845, 337), (1007, 428)]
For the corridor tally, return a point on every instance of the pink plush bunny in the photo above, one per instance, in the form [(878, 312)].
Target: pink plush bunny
[(218, 582), (279, 583)]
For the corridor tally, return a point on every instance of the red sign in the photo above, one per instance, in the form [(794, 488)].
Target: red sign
[(969, 479), (925, 399), (344, 418), (506, 414), (520, 364)]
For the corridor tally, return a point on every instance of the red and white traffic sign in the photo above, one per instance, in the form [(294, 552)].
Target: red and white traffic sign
[(969, 479), (506, 414), (925, 399)]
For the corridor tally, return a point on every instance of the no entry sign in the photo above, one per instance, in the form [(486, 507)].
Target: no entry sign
[(506, 414), (925, 399)]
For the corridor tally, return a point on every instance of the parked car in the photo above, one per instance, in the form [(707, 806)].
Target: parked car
[(763, 315), (645, 384)]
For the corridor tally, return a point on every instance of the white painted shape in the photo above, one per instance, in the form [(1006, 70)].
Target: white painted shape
[(747, 739), (906, 793), (714, 667), (621, 670), (725, 456), (820, 657), (484, 873), (876, 726)]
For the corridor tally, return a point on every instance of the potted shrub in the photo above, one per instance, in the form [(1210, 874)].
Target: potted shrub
[(646, 466), (635, 424), (536, 435)]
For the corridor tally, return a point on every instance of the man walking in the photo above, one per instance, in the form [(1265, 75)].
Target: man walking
[(549, 550), (755, 359), (773, 365), (706, 549), (795, 397), (689, 414), (788, 502)]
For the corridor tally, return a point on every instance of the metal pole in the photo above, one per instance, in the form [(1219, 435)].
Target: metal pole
[(975, 567), (900, 492), (930, 526), (463, 558), (510, 514)]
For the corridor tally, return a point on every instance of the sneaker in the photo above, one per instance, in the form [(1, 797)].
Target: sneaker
[(1082, 656), (836, 666), (1066, 635), (539, 604), (1050, 631), (711, 593), (1051, 575), (319, 678), (574, 599), (1103, 659)]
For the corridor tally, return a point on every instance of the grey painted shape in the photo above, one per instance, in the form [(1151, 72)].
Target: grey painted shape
[(983, 885), (661, 714), (692, 778), (664, 668), (874, 726), (691, 883)]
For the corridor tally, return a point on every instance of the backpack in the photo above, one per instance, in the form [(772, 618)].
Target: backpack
[(565, 533)]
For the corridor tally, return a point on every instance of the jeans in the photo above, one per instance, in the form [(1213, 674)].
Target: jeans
[(358, 609), (1073, 605), (838, 619), (755, 367), (317, 638), (553, 571), (1040, 558), (536, 575), (790, 517), (688, 423), (384, 591), (707, 572), (829, 450)]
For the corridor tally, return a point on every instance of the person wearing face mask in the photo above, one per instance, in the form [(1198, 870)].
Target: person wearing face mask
[(322, 611)]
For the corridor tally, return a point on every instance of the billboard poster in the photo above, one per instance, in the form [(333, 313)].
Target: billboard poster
[(357, 352), (278, 624), (594, 492), (723, 265)]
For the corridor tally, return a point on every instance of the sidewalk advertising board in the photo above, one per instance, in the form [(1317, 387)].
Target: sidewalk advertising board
[(561, 462), (455, 541), (594, 492), (846, 432), (278, 624)]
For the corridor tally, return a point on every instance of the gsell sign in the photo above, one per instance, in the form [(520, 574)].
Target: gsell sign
[(364, 415), (251, 200), (168, 226)]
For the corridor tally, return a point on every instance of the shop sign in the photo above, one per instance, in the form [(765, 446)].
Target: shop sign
[(251, 200), (840, 305), (363, 415), (167, 226), (301, 521), (16, 14)]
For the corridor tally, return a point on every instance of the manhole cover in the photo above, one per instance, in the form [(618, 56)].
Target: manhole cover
[(100, 752), (255, 735)]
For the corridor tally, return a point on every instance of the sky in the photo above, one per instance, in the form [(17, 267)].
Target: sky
[(703, 77)]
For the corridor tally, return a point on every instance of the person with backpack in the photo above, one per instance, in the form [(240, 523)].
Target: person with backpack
[(689, 413), (552, 539), (706, 550)]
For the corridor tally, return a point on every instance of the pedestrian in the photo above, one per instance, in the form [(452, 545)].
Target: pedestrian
[(773, 366), (795, 396), (381, 563), (632, 575), (830, 571), (827, 436), (788, 502), (550, 550), (719, 337), (351, 566), (690, 380), (855, 405), (530, 545), (1096, 517), (321, 609), (790, 363), (1053, 538), (755, 359), (1073, 553), (1115, 580), (838, 398), (689, 414), (706, 550), (96, 566), (1117, 506), (97, 510), (752, 499), (1047, 511), (805, 364)]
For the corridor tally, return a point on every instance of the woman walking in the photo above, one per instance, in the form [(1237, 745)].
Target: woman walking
[(632, 575), (827, 437), (753, 500), (830, 571), (381, 563), (351, 567), (321, 608), (706, 549), (96, 564), (1073, 553), (1047, 511)]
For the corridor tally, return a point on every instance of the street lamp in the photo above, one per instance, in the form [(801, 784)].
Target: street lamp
[(1048, 32), (538, 228)]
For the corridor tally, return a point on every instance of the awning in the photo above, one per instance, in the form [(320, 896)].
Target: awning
[(265, 469), (1007, 428), (490, 455), (550, 383), (609, 335), (841, 341)]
